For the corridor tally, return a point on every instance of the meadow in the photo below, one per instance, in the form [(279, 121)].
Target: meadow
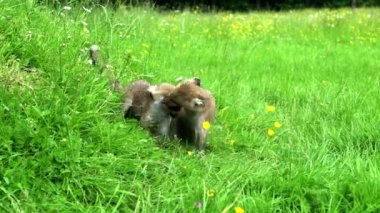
[(297, 128)]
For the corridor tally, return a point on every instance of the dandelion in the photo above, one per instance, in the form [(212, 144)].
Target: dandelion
[(198, 205), (210, 193), (206, 125), (271, 132), (239, 210), (94, 53), (270, 108), (277, 124), (190, 153)]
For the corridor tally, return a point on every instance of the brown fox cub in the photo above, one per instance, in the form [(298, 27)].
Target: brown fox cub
[(190, 107), (143, 102), (157, 118)]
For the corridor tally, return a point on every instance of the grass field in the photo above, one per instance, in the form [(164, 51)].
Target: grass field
[(65, 147)]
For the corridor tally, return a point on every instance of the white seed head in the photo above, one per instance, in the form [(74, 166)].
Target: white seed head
[(94, 47)]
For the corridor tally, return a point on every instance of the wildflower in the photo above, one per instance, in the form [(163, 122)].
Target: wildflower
[(277, 124), (239, 210), (89, 61), (206, 125), (94, 49), (67, 8), (198, 205), (271, 132), (270, 108), (210, 193), (190, 153)]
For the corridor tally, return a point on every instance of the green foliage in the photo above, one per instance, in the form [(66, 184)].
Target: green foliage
[(236, 5), (65, 145)]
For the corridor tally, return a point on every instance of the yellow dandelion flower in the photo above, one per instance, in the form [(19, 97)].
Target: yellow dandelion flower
[(277, 124), (271, 132), (190, 153), (210, 193), (270, 108), (239, 210), (206, 125)]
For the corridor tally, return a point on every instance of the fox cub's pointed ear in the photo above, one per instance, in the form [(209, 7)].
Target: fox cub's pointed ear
[(152, 89), (197, 81), (194, 80), (156, 94)]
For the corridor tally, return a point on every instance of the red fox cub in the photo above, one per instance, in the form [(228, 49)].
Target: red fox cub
[(192, 109)]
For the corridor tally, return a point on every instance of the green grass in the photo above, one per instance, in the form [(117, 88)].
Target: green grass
[(66, 147)]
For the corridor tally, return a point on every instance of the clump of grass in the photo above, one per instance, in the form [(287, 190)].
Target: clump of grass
[(311, 77)]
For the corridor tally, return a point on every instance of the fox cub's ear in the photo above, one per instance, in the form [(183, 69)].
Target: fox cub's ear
[(155, 93), (197, 81)]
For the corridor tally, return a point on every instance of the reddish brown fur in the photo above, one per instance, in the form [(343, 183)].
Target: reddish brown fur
[(190, 106), (157, 119), (160, 91), (137, 99)]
